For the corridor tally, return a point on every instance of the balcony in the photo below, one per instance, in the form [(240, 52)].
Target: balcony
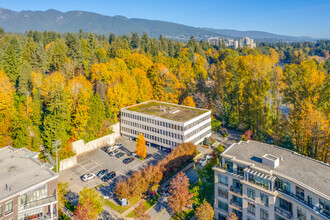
[(299, 199), (236, 204), (236, 190), (49, 216), (283, 212), (40, 202), (231, 172)]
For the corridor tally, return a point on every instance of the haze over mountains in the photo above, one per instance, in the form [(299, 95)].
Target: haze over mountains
[(73, 21)]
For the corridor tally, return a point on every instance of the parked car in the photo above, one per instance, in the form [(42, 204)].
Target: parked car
[(113, 153), (148, 156), (128, 160), (87, 177), (164, 190), (203, 161), (109, 176), (112, 148), (208, 156), (104, 148), (102, 173), (120, 154), (120, 145)]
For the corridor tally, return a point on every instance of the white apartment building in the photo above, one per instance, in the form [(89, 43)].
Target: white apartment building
[(28, 188), (164, 124), (260, 181)]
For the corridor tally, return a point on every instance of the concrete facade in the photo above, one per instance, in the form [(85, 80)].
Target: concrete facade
[(28, 189), (253, 191), (165, 132)]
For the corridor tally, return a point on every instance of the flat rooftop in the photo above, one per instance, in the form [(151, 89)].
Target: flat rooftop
[(312, 173), (20, 169), (179, 113)]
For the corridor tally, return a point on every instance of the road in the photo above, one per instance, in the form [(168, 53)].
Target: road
[(161, 211)]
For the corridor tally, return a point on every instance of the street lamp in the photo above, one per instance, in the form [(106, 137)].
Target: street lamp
[(56, 143)]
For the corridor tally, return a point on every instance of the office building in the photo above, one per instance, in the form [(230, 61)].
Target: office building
[(164, 124), (260, 181), (28, 188)]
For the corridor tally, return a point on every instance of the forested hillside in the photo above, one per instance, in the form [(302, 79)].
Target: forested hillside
[(72, 86)]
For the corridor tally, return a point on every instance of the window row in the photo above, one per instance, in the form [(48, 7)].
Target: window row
[(197, 130), (197, 122), (153, 121), (152, 137), (264, 199), (200, 136), (8, 208), (154, 130)]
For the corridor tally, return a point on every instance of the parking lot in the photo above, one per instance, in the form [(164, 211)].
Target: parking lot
[(94, 161)]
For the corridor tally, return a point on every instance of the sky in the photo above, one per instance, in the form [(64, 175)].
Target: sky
[(286, 17)]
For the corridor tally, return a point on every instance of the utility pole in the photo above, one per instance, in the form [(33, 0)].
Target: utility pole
[(56, 143)]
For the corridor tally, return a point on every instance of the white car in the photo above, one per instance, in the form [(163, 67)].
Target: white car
[(203, 162), (114, 153), (208, 156), (112, 148), (88, 176)]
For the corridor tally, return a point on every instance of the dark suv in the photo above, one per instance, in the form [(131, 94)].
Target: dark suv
[(108, 176)]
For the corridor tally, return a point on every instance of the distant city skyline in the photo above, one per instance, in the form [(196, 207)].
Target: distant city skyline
[(294, 18)]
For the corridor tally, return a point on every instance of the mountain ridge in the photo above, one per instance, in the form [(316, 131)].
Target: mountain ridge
[(73, 21)]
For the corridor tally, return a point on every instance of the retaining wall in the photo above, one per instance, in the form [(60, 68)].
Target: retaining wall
[(79, 146)]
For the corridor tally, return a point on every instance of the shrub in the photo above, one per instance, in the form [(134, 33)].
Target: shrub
[(207, 141)]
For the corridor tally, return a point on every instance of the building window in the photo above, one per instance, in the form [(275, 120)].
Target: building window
[(240, 170), (285, 205), (314, 218), (325, 206), (223, 192), (222, 205), (251, 208), (300, 193), (9, 207), (282, 185), (264, 199), (251, 193), (223, 179), (0, 211), (229, 165), (301, 214), (264, 214)]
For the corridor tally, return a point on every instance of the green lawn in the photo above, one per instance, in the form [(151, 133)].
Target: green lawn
[(184, 215), (148, 204), (119, 208)]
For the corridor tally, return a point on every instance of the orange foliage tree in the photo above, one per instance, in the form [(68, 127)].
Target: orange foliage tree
[(188, 101)]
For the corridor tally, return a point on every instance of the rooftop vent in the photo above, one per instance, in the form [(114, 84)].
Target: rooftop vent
[(271, 160)]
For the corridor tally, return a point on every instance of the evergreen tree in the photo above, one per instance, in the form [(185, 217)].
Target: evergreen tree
[(56, 118), (112, 38), (28, 50), (145, 41), (97, 114), (24, 82), (11, 59), (135, 41), (39, 58), (74, 48)]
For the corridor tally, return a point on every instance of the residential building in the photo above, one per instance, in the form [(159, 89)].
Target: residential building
[(28, 188), (217, 41), (261, 181), (164, 124)]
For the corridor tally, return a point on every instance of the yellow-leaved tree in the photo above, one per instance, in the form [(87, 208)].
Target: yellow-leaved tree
[(188, 101), (6, 107), (141, 148)]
